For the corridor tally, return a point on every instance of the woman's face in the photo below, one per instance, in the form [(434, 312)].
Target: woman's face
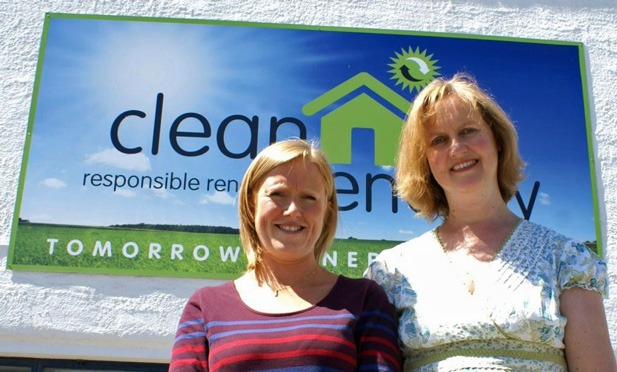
[(461, 153), (290, 209)]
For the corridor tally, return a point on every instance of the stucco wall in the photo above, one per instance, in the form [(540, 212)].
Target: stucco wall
[(131, 318)]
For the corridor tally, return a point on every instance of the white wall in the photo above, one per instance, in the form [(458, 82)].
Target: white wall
[(133, 319)]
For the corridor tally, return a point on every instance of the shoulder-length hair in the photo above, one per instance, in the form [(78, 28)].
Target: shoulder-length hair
[(271, 157), (414, 181)]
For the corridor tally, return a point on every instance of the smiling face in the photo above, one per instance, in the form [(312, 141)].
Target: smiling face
[(461, 153), (290, 208)]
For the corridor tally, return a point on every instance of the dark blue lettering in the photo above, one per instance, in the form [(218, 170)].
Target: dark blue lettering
[(174, 133), (369, 190), (275, 124), (354, 190), (532, 199), (115, 126), (251, 148)]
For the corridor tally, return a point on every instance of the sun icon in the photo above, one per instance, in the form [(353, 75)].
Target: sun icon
[(413, 69)]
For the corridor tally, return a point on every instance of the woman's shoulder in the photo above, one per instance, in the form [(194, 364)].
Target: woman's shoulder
[(542, 230), (359, 287), (554, 240), (217, 287), (215, 292), (363, 290), (568, 253), (211, 301), (575, 262), (355, 283)]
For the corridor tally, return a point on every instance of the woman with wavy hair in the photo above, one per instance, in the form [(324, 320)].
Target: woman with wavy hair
[(485, 290)]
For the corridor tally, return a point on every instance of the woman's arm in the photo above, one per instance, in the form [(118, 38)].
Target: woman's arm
[(588, 346), (189, 352), (377, 341)]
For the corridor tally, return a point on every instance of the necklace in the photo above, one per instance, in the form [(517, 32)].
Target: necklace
[(284, 288), (469, 281)]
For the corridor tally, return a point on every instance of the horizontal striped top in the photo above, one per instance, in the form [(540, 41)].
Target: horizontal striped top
[(351, 329)]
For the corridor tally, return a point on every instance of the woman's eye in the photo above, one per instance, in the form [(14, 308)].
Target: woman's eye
[(274, 194), (468, 131), (438, 140)]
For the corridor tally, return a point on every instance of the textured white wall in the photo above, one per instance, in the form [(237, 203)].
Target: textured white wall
[(133, 319)]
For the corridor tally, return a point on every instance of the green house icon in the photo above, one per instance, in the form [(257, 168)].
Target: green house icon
[(362, 111)]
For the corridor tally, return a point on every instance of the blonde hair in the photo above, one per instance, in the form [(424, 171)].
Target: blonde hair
[(414, 181), (271, 157)]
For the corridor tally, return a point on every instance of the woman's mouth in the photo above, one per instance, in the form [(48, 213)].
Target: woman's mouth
[(289, 228), (464, 165)]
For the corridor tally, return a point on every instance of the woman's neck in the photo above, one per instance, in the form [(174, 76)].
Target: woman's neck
[(284, 292), (478, 208), (282, 275)]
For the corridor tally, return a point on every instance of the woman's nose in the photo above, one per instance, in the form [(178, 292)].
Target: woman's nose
[(294, 207), (457, 147)]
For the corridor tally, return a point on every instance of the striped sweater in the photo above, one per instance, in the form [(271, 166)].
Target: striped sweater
[(351, 329)]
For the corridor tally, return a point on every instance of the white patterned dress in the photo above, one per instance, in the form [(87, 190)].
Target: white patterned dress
[(513, 324)]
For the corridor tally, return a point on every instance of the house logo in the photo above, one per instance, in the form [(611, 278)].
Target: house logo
[(370, 104)]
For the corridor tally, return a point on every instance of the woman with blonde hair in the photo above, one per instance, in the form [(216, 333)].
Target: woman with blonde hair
[(485, 290), (287, 313)]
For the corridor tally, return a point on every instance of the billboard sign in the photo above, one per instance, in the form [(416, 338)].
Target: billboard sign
[(141, 129)]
